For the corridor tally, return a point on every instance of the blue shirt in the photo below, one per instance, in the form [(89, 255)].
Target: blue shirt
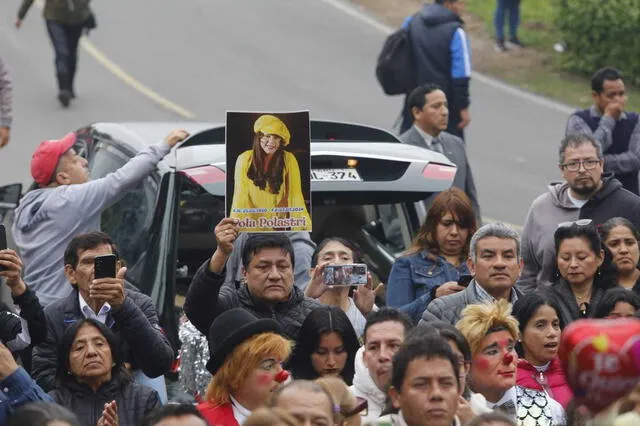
[(16, 390)]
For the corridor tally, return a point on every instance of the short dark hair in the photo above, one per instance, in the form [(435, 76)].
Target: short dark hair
[(257, 242), (119, 372), (171, 410), (384, 315), (351, 245), (602, 75), (446, 331), (613, 296), (87, 241), (417, 97), (492, 417), (41, 414), (574, 140), (428, 347)]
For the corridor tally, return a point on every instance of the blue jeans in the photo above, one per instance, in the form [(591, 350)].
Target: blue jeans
[(64, 39), (513, 6)]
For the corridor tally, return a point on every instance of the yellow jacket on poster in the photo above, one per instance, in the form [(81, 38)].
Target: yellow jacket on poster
[(246, 195)]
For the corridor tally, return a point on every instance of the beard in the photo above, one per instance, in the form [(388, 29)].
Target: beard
[(585, 187)]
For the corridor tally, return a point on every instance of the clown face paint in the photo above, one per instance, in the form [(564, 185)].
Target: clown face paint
[(257, 388), (493, 367)]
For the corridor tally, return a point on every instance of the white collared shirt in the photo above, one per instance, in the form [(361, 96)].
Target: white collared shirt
[(239, 412), (88, 312)]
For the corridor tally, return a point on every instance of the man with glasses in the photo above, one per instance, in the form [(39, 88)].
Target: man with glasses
[(617, 131), (587, 193)]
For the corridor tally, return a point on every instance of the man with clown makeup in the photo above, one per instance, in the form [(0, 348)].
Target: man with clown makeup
[(246, 364), (492, 334)]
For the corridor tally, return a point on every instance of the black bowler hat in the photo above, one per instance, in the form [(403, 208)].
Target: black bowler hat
[(230, 329)]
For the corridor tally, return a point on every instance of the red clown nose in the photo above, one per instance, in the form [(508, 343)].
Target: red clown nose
[(508, 358), (281, 376)]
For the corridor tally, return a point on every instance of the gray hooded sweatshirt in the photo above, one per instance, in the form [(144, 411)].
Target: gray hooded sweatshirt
[(555, 207), (48, 219), (536, 241)]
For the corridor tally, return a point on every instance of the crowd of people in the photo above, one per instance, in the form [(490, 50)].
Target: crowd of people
[(466, 331)]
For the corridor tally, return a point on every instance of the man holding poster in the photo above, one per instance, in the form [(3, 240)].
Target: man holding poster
[(270, 190)]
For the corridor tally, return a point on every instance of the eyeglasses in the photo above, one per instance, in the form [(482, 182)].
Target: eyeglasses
[(579, 222), (574, 166)]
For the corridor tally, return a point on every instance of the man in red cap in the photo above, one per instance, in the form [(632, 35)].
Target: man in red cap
[(66, 203)]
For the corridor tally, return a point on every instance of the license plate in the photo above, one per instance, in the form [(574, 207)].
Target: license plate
[(335, 174)]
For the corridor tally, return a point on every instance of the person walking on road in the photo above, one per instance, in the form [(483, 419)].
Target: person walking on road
[(442, 56), (65, 19), (6, 102), (617, 131)]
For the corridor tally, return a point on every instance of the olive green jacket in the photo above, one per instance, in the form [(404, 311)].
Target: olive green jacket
[(71, 12)]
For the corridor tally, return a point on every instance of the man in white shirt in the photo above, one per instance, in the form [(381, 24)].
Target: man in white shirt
[(383, 335)]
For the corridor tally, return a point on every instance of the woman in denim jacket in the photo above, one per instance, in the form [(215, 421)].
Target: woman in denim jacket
[(435, 261)]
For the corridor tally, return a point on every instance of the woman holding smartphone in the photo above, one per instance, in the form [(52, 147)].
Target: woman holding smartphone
[(436, 260), (333, 252)]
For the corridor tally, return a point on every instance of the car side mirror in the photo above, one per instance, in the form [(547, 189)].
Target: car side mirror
[(10, 196)]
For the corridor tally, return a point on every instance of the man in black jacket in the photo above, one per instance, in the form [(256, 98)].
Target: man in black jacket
[(130, 314), (18, 332), (268, 290)]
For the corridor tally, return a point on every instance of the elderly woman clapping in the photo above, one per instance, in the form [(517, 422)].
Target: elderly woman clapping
[(93, 381)]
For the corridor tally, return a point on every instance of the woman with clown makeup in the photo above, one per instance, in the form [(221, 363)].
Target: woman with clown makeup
[(492, 334), (246, 364)]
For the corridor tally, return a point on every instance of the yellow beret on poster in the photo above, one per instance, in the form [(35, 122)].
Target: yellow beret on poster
[(272, 125)]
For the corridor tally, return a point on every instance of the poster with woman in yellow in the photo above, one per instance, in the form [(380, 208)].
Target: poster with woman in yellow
[(268, 171)]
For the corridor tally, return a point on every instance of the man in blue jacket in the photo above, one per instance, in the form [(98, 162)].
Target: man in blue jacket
[(67, 203), (442, 56)]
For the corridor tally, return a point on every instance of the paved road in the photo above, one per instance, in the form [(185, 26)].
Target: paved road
[(209, 56)]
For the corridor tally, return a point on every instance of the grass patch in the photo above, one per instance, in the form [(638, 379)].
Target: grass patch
[(537, 31), (536, 20)]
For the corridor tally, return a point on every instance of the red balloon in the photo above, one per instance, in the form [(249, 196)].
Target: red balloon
[(601, 359)]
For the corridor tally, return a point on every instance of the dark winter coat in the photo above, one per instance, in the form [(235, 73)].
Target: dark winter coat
[(207, 298)]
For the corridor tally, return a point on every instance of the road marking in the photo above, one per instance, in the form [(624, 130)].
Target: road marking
[(490, 81), (126, 78), (116, 70)]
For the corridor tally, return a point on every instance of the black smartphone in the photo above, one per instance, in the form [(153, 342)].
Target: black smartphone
[(104, 266), (3, 241), (464, 280)]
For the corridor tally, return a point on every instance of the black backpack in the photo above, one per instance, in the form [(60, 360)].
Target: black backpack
[(395, 70)]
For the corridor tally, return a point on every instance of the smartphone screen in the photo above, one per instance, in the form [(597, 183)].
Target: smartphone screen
[(345, 275), (105, 266)]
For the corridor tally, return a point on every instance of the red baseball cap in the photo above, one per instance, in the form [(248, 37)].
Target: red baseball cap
[(45, 160)]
